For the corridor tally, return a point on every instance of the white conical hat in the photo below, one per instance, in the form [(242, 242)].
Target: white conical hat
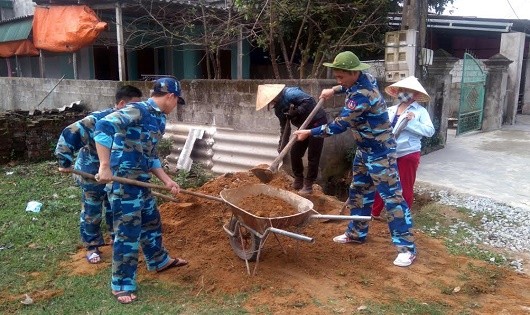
[(266, 93), (410, 83)]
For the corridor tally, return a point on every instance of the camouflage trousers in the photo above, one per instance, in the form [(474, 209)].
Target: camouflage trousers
[(94, 200), (379, 172), (136, 223)]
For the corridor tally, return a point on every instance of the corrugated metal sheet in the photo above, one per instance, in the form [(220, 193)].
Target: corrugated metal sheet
[(15, 30), (223, 150)]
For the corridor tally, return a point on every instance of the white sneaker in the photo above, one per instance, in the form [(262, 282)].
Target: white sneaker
[(404, 259), (344, 239)]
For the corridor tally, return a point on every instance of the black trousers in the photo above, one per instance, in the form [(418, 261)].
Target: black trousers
[(314, 147)]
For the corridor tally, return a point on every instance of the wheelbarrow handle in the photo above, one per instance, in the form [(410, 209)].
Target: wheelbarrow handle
[(296, 236), (341, 217), (129, 181)]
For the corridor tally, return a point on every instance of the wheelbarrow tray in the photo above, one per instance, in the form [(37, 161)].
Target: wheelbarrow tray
[(260, 224)]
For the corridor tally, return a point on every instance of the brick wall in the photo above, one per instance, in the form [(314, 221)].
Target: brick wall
[(32, 138)]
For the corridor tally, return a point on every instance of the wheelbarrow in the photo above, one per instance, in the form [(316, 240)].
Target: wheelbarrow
[(248, 232)]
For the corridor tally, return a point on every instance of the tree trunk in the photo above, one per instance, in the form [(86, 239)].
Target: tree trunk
[(288, 63), (218, 74), (272, 49)]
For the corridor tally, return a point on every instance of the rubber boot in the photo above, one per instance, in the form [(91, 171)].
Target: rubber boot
[(308, 187), (298, 183)]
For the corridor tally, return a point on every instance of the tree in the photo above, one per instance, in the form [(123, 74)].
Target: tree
[(298, 32), (197, 26), (299, 35), (312, 31)]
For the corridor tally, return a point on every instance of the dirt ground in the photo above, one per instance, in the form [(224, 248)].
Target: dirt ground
[(322, 277)]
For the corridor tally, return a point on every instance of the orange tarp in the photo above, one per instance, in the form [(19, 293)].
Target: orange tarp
[(19, 48), (65, 28)]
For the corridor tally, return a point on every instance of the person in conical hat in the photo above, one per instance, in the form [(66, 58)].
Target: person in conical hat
[(374, 165), (292, 106), (410, 123)]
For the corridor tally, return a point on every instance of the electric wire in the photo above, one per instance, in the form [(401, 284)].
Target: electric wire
[(511, 7)]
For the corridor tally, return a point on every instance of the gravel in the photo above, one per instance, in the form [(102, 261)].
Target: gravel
[(502, 226)]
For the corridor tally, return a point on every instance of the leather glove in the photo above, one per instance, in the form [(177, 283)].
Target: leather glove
[(292, 112)]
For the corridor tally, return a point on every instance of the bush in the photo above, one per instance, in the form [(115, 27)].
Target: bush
[(195, 177), (164, 147)]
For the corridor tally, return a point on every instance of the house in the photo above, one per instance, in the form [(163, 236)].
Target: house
[(123, 51), (483, 38)]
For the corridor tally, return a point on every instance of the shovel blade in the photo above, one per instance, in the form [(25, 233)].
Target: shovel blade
[(265, 175)]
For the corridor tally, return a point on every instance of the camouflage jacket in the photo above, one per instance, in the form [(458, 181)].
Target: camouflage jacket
[(79, 136), (364, 112), (132, 133)]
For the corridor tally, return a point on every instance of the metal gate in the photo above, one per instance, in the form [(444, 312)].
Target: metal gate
[(471, 96)]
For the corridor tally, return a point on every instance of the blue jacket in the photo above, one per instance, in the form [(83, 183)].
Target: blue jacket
[(365, 113), (303, 105), (132, 133), (409, 140), (79, 136)]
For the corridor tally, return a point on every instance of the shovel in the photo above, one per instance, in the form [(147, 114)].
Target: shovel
[(265, 175), (402, 125), (148, 185), (285, 134)]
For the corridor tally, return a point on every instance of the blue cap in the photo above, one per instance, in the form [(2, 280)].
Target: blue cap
[(169, 85)]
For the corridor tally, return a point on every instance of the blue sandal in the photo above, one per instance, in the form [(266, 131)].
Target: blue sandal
[(177, 262), (93, 255)]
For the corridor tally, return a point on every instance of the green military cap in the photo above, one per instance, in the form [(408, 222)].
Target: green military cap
[(348, 61)]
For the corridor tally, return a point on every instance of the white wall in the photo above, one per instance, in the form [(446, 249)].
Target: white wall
[(512, 47), (23, 7)]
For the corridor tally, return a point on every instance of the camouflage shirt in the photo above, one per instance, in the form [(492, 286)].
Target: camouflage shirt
[(365, 113), (132, 133), (79, 136)]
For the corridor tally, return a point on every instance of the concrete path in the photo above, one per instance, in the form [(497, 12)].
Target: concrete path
[(492, 164)]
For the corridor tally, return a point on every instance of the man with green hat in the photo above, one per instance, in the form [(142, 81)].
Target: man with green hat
[(374, 166)]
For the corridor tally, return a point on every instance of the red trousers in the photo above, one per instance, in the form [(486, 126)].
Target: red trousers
[(407, 167)]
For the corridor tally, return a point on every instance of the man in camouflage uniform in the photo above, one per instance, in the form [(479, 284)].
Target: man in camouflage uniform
[(374, 165), (79, 136), (126, 142)]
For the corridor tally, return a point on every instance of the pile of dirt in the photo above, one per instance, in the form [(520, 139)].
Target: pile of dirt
[(298, 277), (266, 206)]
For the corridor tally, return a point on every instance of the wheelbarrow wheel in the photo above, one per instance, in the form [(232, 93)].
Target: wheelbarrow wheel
[(244, 243)]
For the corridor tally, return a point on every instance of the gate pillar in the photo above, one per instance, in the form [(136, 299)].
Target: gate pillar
[(495, 103), (438, 85)]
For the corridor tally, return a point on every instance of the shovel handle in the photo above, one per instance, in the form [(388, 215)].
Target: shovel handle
[(129, 181), (344, 206), (168, 198), (285, 134), (276, 162)]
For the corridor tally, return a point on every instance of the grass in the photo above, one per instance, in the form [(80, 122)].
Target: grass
[(409, 307), (33, 246), (453, 225)]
